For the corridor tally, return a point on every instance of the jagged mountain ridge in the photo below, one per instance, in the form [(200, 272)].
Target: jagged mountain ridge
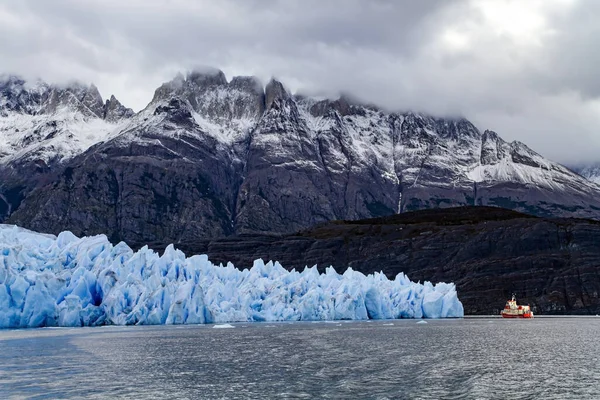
[(210, 157), (50, 123), (589, 171)]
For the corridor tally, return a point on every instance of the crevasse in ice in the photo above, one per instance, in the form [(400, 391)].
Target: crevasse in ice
[(68, 281)]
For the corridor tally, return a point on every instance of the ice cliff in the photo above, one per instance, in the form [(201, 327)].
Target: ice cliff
[(68, 281)]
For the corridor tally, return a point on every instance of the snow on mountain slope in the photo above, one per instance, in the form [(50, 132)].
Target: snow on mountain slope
[(515, 162), (227, 111), (209, 156), (69, 281), (589, 171), (404, 144), (366, 131), (282, 135), (54, 137), (50, 123), (422, 153)]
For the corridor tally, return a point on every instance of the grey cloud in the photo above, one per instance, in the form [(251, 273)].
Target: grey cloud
[(573, 55), (439, 56)]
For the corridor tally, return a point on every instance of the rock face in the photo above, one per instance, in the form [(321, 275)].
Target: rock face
[(43, 127), (210, 157), (114, 111), (490, 253)]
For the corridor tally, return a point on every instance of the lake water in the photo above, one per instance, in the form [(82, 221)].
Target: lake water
[(544, 358)]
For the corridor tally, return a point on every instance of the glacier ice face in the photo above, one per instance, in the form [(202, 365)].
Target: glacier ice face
[(69, 281)]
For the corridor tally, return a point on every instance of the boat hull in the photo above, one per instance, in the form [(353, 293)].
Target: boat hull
[(526, 316)]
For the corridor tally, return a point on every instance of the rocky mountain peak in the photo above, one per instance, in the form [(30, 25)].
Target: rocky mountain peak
[(275, 91), (169, 89), (114, 111), (413, 123), (83, 99), (520, 153), (247, 83), (344, 105), (11, 84), (206, 102), (457, 129), (590, 171), (208, 77), (490, 135), (14, 97), (191, 87), (493, 148), (92, 100)]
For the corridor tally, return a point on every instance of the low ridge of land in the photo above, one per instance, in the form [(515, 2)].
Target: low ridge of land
[(489, 252)]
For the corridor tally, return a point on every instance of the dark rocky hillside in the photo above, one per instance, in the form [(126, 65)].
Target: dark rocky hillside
[(490, 253), (210, 158)]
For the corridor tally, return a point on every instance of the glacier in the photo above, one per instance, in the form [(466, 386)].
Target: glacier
[(67, 281)]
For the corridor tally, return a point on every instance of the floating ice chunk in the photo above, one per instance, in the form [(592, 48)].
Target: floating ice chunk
[(223, 326), (69, 281), (422, 322)]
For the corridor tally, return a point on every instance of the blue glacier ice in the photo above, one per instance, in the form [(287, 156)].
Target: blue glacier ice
[(64, 280)]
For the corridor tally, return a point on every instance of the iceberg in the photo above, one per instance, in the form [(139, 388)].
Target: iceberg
[(64, 280), (223, 326)]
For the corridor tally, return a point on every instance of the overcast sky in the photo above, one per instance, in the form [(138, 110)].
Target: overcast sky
[(527, 69)]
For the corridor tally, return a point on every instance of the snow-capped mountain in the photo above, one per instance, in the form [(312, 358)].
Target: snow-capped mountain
[(589, 171), (51, 123), (209, 157)]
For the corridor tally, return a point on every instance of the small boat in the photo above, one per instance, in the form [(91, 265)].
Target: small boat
[(512, 310)]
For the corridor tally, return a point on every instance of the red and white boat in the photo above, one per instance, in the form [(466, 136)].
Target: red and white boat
[(512, 310)]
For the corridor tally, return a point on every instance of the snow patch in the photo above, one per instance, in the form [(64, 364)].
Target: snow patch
[(58, 136)]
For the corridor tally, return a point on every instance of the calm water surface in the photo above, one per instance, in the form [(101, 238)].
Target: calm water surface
[(471, 358)]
